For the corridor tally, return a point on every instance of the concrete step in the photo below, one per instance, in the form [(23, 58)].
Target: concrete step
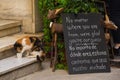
[(8, 27), (12, 68), (6, 44)]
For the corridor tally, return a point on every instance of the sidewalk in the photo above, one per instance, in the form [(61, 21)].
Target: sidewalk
[(47, 74)]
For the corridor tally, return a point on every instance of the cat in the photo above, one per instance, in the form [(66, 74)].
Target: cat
[(31, 46)]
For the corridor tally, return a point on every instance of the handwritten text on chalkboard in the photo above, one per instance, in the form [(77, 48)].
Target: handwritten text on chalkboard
[(85, 43)]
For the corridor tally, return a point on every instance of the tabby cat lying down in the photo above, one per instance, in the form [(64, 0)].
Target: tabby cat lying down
[(31, 46)]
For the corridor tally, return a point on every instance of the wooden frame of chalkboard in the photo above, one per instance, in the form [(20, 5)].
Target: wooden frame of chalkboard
[(86, 50)]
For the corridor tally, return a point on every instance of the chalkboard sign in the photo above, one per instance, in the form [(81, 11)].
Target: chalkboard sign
[(85, 45)]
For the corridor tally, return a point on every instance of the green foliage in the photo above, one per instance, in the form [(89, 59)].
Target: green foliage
[(81, 6), (70, 6)]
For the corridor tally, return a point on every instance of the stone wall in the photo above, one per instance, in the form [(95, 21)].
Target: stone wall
[(25, 10)]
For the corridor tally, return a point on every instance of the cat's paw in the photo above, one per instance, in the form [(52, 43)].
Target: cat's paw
[(19, 55)]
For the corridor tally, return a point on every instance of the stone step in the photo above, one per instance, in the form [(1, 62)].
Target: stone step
[(8, 27), (12, 68), (6, 44)]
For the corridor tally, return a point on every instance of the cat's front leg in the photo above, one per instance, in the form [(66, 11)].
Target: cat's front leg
[(28, 53), (23, 50)]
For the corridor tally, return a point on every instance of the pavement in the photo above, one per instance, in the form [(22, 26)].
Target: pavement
[(47, 74)]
